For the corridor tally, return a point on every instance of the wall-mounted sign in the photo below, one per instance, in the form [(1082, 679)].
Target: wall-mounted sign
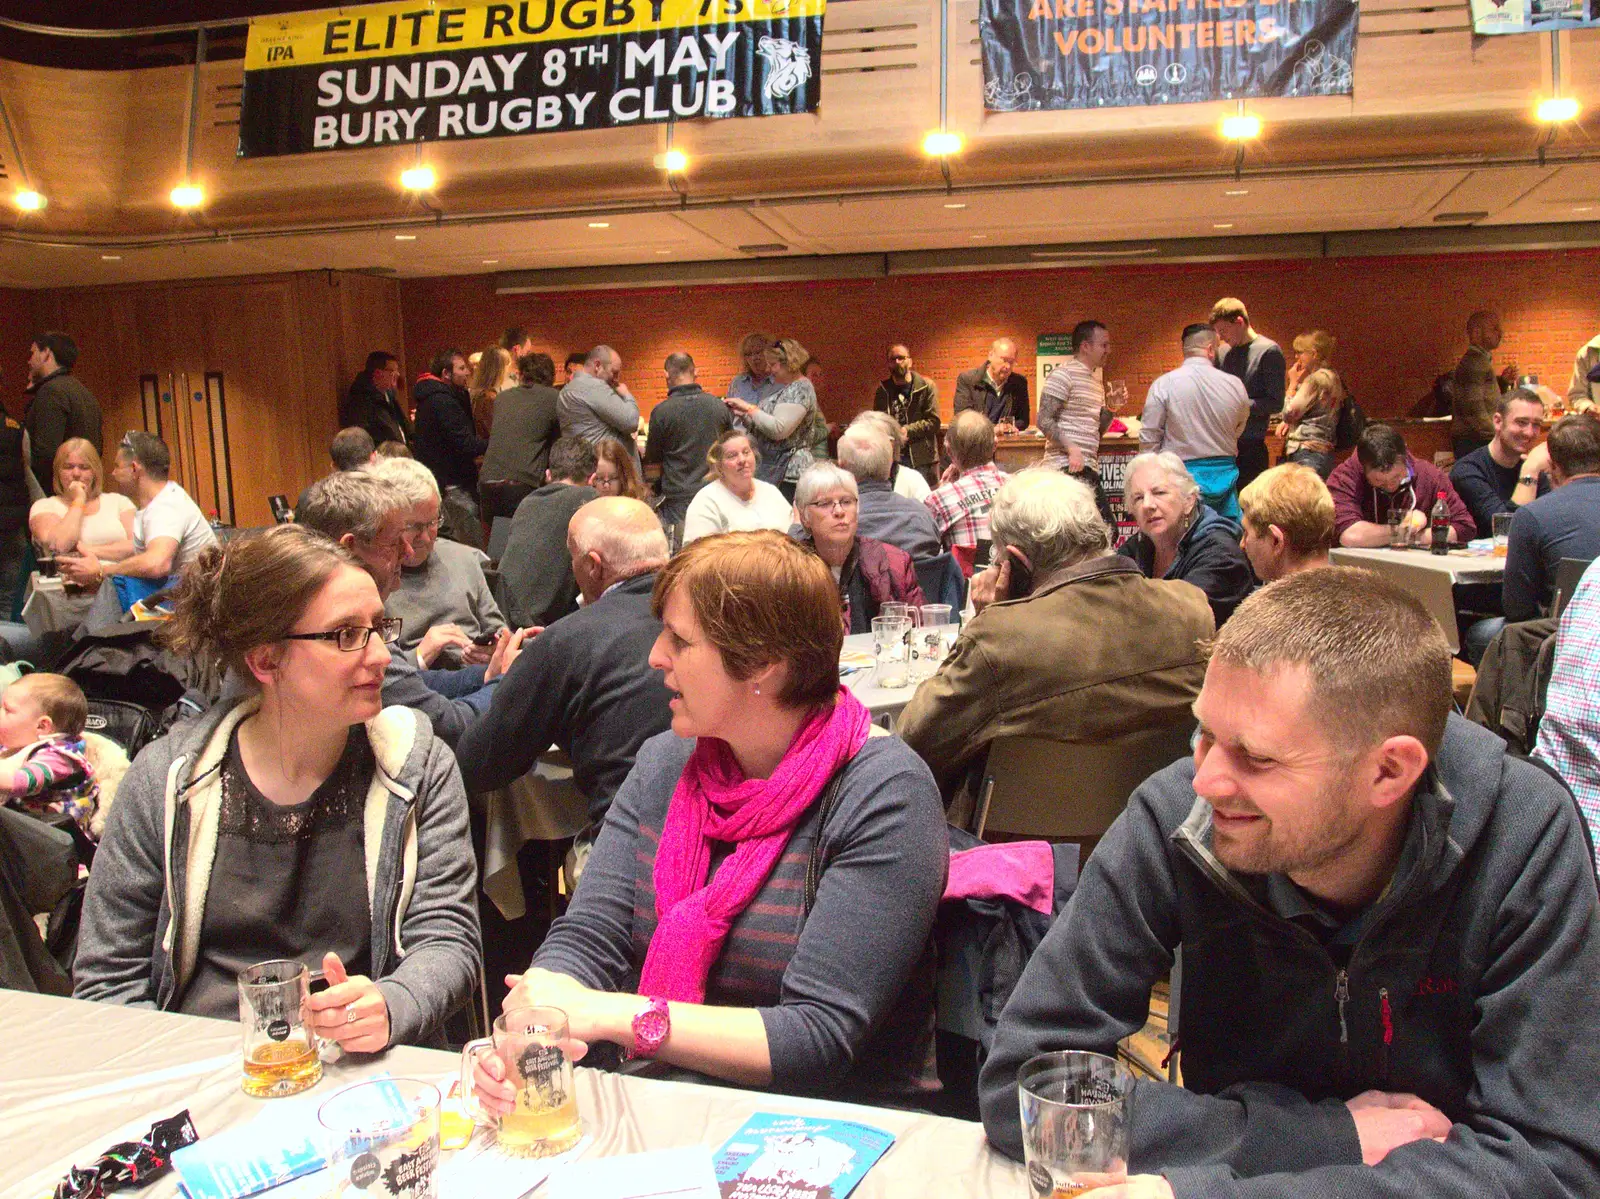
[(1045, 54), (1533, 16), (389, 74)]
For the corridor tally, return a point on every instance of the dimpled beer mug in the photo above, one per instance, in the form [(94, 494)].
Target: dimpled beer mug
[(529, 1041), (382, 1139), (280, 1050), (1074, 1122)]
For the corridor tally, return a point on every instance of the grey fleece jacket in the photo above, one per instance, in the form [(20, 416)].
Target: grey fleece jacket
[(1473, 985), (146, 899)]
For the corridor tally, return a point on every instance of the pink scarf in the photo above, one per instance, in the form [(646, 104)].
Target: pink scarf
[(713, 801)]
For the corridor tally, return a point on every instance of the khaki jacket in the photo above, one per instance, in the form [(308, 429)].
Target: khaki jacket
[(1096, 653)]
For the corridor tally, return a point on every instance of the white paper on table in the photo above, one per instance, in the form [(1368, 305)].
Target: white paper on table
[(684, 1173), (481, 1171)]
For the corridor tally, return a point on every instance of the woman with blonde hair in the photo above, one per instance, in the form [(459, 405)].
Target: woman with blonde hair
[(734, 499), (759, 905), (615, 473), (1311, 420), (318, 825), (781, 425), (494, 373), (81, 518)]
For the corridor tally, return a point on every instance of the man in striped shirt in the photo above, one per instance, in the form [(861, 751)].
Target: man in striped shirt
[(960, 507), (1069, 410)]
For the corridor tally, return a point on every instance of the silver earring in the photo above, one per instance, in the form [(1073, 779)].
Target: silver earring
[(758, 689)]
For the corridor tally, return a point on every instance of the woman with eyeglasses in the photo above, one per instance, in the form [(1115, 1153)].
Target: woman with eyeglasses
[(869, 573), (780, 424), (302, 821)]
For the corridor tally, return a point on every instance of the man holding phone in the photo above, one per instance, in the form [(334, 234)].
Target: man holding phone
[(1048, 653)]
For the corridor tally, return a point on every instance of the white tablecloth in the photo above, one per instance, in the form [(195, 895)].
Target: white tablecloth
[(1428, 576), (78, 1077), (884, 703)]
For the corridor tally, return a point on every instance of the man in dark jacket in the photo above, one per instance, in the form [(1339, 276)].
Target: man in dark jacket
[(1257, 362), (585, 683), (996, 389), (371, 403), (525, 427), (682, 428), (914, 404), (1390, 930), (448, 443), (535, 566), (59, 406)]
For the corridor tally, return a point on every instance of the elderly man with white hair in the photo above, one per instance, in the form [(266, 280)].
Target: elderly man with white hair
[(868, 454), (870, 573), (1181, 538), (1070, 643), (906, 480), (585, 683), (447, 612)]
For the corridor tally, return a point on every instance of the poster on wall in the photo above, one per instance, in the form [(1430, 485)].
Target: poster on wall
[(1053, 54), (1533, 16), (397, 73), (1050, 351)]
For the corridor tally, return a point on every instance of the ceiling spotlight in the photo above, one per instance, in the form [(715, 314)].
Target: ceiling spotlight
[(674, 162), (111, 258), (980, 237), (955, 205), (1241, 127), (490, 261), (1238, 191), (27, 199), (663, 251), (187, 195), (1223, 225), (1557, 110), (941, 144), (405, 237), (599, 224), (418, 179)]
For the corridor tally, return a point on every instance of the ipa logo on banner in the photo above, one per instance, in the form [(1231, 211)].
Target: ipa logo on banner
[(386, 74), (1043, 54)]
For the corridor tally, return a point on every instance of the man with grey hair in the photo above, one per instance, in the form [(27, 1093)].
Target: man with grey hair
[(370, 517), (443, 601), (596, 406), (1070, 643), (868, 454), (682, 429), (996, 389), (585, 683), (1197, 412)]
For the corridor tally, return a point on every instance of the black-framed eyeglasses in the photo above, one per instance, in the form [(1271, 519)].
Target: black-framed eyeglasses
[(837, 504), (351, 637)]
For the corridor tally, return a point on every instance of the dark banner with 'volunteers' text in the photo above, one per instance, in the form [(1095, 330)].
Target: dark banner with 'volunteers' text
[(389, 74), (1044, 54)]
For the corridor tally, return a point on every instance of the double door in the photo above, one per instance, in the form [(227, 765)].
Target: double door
[(189, 411)]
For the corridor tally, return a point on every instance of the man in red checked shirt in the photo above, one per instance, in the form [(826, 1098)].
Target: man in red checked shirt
[(960, 504)]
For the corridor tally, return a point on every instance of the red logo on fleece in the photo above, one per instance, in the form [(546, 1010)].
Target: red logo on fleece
[(1428, 985)]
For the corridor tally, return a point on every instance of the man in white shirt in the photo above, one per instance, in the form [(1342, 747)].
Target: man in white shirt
[(169, 531), (1069, 410), (1197, 411)]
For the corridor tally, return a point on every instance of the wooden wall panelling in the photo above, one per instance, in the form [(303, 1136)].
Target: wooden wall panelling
[(18, 320)]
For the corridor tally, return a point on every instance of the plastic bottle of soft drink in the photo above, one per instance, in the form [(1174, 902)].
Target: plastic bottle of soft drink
[(1441, 527)]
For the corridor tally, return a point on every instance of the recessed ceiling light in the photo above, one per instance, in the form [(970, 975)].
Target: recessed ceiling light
[(1584, 208), (599, 224), (405, 237), (1238, 191), (490, 261), (980, 237), (1223, 225), (111, 258), (663, 251), (955, 205), (28, 200)]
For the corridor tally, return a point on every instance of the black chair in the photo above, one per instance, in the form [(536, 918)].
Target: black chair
[(941, 581), (501, 497), (1569, 571), (499, 534)]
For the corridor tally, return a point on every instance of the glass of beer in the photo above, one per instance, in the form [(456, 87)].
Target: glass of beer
[(1074, 1122), (889, 639), (531, 1045), (1501, 528), (280, 1050), (386, 1129)]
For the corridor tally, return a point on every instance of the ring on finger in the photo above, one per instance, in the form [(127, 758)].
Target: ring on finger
[(350, 1014)]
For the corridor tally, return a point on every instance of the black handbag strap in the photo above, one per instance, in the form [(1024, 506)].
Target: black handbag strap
[(830, 795)]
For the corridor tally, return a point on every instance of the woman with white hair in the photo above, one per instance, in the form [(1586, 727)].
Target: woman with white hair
[(1181, 538), (869, 573), (443, 597), (905, 480)]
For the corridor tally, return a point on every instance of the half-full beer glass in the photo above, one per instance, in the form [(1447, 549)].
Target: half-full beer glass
[(530, 1043), (280, 1050), (1074, 1122)]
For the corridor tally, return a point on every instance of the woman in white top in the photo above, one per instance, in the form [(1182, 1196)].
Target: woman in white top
[(80, 517), (733, 499)]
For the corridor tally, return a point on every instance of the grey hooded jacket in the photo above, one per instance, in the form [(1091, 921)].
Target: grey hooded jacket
[(145, 905), (1472, 985)]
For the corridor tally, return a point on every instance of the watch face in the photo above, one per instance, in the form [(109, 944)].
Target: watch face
[(652, 1026)]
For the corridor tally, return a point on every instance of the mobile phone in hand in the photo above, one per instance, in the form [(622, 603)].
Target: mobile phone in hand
[(485, 639)]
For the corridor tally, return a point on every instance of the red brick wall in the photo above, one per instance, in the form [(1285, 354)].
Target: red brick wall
[(1399, 321)]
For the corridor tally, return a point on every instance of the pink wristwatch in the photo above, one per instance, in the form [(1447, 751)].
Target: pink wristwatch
[(651, 1028)]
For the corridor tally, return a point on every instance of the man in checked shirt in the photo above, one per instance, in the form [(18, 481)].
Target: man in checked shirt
[(960, 505)]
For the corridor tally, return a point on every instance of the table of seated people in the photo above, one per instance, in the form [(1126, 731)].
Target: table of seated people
[(78, 1077), (1428, 576)]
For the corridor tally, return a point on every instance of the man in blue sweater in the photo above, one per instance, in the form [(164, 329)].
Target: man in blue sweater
[(1510, 471), (1388, 924), (1563, 524)]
